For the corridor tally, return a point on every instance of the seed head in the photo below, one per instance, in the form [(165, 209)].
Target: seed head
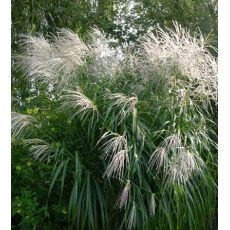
[(19, 124), (123, 197), (152, 204), (113, 145), (126, 105), (159, 159), (77, 103), (132, 217), (117, 164)]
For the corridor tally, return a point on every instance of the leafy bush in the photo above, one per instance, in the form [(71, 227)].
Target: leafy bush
[(130, 134)]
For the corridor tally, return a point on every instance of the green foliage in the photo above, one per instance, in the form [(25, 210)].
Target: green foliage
[(29, 194), (26, 207)]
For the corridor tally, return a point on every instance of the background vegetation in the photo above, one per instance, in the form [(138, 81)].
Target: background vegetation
[(44, 192)]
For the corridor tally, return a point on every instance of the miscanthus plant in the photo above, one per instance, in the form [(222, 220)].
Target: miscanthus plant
[(131, 133)]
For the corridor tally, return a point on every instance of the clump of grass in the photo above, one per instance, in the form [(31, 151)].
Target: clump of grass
[(138, 139)]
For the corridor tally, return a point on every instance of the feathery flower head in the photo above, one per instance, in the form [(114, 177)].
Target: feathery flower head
[(116, 149), (175, 175), (52, 62), (173, 141), (38, 58), (152, 204), (188, 162), (71, 49), (168, 51), (19, 123), (100, 44), (106, 61), (117, 164), (120, 99), (113, 145), (132, 216), (125, 104), (78, 103), (39, 148), (159, 159), (183, 166), (123, 197)]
